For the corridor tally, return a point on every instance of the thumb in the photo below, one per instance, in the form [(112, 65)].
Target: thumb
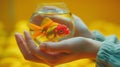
[(56, 47)]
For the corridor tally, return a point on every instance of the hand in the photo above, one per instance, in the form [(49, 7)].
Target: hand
[(31, 52), (71, 49)]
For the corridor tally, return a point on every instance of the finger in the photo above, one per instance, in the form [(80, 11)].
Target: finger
[(81, 29), (78, 21), (36, 19), (23, 48), (33, 48), (21, 43), (68, 45), (63, 20), (30, 43), (54, 47)]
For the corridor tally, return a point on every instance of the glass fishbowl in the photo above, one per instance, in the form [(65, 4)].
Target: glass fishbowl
[(51, 22)]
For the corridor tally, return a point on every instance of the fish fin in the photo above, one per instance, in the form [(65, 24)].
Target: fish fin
[(49, 24), (34, 27), (37, 33), (52, 28), (46, 21), (50, 32)]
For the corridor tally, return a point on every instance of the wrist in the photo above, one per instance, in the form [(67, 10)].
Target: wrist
[(93, 48)]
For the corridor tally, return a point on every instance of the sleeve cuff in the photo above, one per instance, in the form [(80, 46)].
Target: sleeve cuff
[(109, 53)]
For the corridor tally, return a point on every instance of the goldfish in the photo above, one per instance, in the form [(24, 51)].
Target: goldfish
[(49, 28)]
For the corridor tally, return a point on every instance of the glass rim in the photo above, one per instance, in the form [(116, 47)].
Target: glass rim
[(58, 4)]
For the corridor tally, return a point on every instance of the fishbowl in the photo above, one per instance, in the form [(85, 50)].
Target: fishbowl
[(51, 22)]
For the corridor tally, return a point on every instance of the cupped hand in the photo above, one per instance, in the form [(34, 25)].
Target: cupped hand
[(30, 51), (53, 53), (71, 49)]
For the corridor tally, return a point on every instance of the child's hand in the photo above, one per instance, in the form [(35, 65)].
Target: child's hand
[(30, 51), (57, 52), (54, 53), (71, 49)]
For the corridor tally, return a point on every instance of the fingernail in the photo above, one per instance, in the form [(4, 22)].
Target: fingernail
[(17, 33), (25, 31)]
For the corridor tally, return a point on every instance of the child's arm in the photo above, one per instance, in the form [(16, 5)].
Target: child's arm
[(109, 53)]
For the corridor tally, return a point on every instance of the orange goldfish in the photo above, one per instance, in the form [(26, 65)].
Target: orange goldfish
[(49, 28)]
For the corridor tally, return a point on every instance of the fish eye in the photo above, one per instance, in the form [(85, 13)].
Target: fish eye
[(60, 31)]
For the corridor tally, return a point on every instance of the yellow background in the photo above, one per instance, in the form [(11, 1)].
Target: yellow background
[(102, 15)]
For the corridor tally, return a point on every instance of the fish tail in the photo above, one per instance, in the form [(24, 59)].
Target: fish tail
[(36, 34), (34, 27), (50, 24)]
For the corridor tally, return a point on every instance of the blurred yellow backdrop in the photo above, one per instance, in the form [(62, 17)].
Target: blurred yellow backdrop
[(102, 15)]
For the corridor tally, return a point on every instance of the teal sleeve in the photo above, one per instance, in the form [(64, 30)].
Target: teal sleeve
[(98, 36), (109, 52)]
